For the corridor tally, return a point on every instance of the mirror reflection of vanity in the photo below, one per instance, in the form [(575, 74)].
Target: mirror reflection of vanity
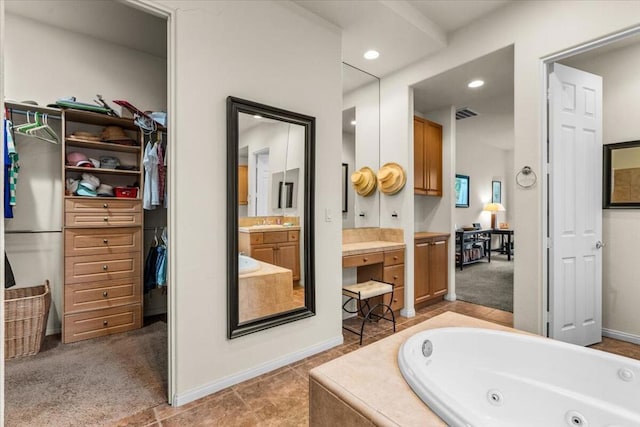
[(270, 158)]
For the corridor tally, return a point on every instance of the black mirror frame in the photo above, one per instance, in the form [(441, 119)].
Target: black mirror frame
[(234, 107), (606, 175)]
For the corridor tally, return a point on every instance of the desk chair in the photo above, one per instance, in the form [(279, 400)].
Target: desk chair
[(362, 293)]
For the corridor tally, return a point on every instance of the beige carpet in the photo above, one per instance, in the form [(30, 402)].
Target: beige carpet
[(88, 383)]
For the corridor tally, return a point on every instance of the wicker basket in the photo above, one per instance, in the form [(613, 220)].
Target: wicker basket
[(25, 319)]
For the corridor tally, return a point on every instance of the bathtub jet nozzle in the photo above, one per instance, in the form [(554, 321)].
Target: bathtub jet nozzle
[(427, 348)]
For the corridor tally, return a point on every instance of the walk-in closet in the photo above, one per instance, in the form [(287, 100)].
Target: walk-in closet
[(86, 196)]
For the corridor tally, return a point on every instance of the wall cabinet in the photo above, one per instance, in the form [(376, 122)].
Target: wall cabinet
[(431, 271), (102, 235), (427, 162), (243, 185), (281, 248)]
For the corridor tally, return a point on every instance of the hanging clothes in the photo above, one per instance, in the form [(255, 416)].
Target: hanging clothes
[(162, 172), (161, 270), (150, 269), (15, 164), (8, 210), (150, 194), (9, 279)]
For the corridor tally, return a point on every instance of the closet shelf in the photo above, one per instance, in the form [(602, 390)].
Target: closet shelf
[(102, 171), (102, 145), (87, 117)]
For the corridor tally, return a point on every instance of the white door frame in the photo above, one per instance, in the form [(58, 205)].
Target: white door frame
[(170, 15), (545, 63)]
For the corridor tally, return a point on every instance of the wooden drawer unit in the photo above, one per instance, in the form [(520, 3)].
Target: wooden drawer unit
[(93, 268), (394, 274), (398, 298), (364, 259), (275, 237), (100, 241), (293, 236), (103, 205), (106, 219), (97, 323), (394, 257), (96, 295)]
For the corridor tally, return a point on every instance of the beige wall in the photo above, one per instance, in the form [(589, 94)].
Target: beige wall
[(620, 227), (536, 29), (266, 52)]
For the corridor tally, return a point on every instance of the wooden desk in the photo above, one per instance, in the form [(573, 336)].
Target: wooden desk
[(508, 247), (468, 241)]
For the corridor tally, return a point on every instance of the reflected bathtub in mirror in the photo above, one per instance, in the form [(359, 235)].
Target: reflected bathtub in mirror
[(270, 216)]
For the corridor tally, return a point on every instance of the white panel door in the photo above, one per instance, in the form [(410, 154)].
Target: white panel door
[(262, 184), (575, 210)]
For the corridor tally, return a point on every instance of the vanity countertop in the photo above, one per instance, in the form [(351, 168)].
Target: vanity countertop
[(271, 227), (357, 378), (359, 248), (429, 234)]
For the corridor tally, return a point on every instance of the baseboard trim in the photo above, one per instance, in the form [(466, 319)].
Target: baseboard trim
[(622, 336), (207, 389)]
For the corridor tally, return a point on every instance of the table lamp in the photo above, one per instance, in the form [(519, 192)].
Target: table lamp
[(493, 208)]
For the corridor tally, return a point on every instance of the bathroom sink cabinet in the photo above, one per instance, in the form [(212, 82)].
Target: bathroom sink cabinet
[(427, 151), (431, 271), (281, 248)]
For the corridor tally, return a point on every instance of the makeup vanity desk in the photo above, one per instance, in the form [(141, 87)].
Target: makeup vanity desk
[(376, 253)]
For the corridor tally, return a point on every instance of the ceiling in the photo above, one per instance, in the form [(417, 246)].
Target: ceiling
[(118, 23), (403, 31)]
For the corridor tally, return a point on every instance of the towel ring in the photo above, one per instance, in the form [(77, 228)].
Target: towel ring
[(526, 178)]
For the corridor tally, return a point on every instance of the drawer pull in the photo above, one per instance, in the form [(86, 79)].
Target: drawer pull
[(105, 219), (395, 258), (395, 277), (395, 300), (105, 267), (105, 294), (106, 205), (105, 241), (105, 323), (365, 259)]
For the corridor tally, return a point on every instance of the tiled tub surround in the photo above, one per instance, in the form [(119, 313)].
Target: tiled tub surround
[(265, 292), (354, 390)]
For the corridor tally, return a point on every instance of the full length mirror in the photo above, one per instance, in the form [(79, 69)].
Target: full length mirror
[(360, 144), (270, 216), (621, 175)]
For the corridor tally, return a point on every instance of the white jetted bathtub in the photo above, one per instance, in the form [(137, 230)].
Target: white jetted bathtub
[(247, 264), (485, 378)]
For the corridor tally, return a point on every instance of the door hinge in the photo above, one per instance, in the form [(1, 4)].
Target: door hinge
[(548, 94), (549, 243), (548, 165)]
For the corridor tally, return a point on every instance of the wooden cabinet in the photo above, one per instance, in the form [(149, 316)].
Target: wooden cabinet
[(427, 162), (243, 185), (102, 235), (281, 248), (431, 271), (387, 266)]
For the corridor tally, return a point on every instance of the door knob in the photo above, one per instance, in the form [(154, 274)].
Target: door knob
[(600, 245)]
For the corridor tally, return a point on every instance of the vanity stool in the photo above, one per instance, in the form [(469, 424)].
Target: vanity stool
[(362, 293)]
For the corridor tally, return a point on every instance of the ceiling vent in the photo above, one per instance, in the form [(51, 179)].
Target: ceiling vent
[(465, 113)]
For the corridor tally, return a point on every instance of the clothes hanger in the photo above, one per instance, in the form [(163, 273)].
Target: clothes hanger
[(155, 237), (46, 133)]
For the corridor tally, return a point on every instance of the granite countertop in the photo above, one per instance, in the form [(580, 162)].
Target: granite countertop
[(263, 228), (360, 377), (430, 234), (359, 248)]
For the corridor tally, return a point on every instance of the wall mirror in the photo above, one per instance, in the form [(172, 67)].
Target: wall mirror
[(621, 175), (360, 142), (270, 170)]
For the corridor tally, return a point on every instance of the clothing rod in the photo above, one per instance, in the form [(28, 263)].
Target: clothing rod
[(24, 113), (31, 231)]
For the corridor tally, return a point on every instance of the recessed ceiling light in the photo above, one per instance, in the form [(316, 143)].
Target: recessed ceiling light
[(353, 122), (257, 116), (476, 83), (371, 54)]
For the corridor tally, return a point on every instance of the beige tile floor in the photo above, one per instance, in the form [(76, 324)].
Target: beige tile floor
[(280, 398)]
